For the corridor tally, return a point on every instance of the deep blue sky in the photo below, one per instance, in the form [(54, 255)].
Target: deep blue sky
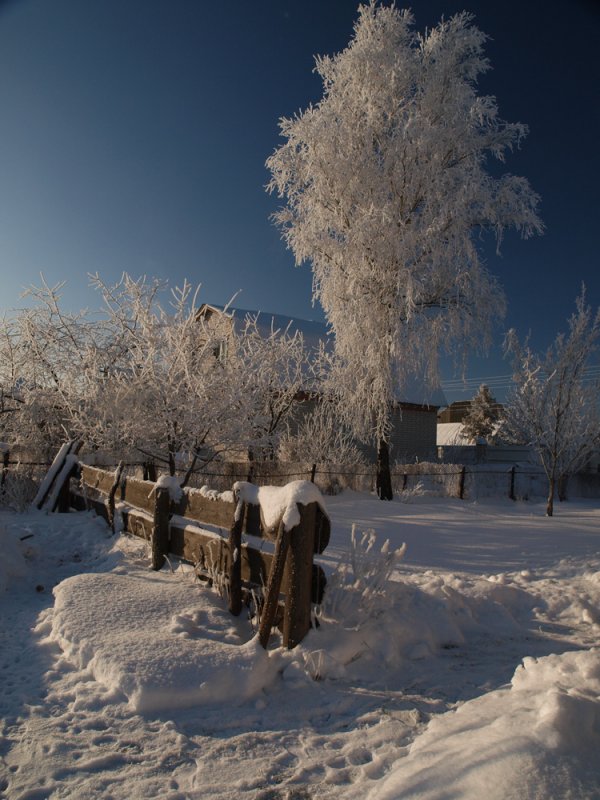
[(133, 136)]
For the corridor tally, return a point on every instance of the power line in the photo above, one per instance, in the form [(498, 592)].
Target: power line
[(591, 374)]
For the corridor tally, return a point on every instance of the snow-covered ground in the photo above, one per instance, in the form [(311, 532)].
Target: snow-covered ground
[(472, 675)]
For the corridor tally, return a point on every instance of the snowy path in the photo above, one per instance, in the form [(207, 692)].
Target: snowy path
[(69, 732)]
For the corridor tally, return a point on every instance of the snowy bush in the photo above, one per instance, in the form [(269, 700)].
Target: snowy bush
[(412, 480), (19, 487), (418, 490), (357, 590)]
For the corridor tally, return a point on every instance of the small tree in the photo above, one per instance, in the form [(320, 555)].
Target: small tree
[(47, 357), (482, 417), (320, 437), (170, 395), (387, 193), (551, 408), (280, 370)]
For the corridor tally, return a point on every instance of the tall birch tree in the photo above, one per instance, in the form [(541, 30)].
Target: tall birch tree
[(387, 192)]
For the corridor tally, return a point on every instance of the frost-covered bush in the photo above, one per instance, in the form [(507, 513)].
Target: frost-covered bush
[(357, 590), (412, 480), (19, 488), (418, 490)]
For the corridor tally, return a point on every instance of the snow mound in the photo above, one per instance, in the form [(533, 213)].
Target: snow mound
[(531, 740), (368, 620), (164, 644), (213, 494), (172, 484)]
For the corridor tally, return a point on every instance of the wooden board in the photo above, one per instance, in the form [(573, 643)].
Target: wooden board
[(137, 523), (137, 493), (322, 531), (196, 506), (96, 478), (211, 551)]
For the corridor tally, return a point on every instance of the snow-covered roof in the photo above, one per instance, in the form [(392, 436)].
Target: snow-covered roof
[(312, 332), (450, 434), (415, 390)]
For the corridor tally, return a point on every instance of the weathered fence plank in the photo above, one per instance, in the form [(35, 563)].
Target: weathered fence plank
[(282, 545), (138, 493), (204, 549), (196, 506), (235, 565), (98, 479), (138, 523), (110, 503), (5, 461), (49, 490)]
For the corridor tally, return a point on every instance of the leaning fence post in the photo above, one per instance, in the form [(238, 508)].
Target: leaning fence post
[(267, 617), (159, 542), (296, 615)]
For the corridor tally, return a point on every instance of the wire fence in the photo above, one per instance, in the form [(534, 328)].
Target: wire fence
[(20, 477)]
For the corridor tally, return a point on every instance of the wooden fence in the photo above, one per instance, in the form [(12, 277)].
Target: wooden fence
[(207, 533)]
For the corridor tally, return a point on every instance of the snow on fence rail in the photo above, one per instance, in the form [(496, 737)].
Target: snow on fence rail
[(286, 527)]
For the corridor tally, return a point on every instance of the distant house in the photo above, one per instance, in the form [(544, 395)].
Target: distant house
[(414, 417), (450, 434), (457, 411)]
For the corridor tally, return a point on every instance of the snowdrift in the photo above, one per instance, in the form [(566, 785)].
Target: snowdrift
[(535, 739), (162, 643)]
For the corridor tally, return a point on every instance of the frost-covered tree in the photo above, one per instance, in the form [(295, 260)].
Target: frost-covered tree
[(320, 437), (11, 364), (387, 196), (482, 418), (46, 359), (145, 377), (281, 371), (165, 396), (552, 407)]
